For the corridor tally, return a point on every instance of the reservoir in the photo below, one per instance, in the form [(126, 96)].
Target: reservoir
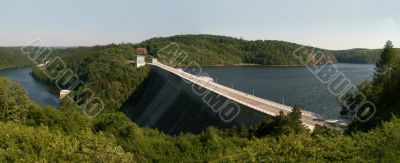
[(38, 92), (290, 85)]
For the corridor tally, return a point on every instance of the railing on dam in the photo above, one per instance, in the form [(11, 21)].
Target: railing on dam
[(253, 102)]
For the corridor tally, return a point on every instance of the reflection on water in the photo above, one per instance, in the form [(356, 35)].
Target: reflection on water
[(38, 92), (289, 85)]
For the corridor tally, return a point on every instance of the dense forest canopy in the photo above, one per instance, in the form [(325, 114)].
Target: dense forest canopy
[(222, 50), (12, 57), (104, 70), (370, 56)]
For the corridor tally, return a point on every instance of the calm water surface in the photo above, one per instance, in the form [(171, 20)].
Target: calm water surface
[(290, 85), (38, 92)]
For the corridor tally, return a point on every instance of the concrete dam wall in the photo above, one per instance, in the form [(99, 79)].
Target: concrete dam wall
[(174, 105)]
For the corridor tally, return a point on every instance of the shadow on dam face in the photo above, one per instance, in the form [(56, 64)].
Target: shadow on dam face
[(171, 104)]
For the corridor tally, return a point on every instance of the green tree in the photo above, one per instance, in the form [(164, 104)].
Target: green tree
[(385, 62), (281, 124), (383, 91), (14, 102)]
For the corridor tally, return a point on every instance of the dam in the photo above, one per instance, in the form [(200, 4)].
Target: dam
[(175, 101)]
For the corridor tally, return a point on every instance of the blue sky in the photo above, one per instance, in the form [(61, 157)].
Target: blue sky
[(331, 24)]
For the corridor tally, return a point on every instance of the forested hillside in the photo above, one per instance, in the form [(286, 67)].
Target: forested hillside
[(105, 70), (12, 57), (369, 56), (221, 50), (211, 50)]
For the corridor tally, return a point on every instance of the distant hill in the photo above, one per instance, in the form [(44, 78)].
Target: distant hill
[(370, 56), (11, 58), (221, 50), (212, 50)]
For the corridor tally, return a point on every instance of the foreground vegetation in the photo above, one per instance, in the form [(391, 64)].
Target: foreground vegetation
[(383, 90), (29, 132)]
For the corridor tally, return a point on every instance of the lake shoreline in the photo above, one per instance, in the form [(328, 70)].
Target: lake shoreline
[(10, 68), (39, 92), (260, 65), (289, 85)]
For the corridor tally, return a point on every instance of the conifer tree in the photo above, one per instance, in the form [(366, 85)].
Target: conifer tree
[(385, 62)]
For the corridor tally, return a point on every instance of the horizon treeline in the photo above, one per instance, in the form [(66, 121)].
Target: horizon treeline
[(211, 50)]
